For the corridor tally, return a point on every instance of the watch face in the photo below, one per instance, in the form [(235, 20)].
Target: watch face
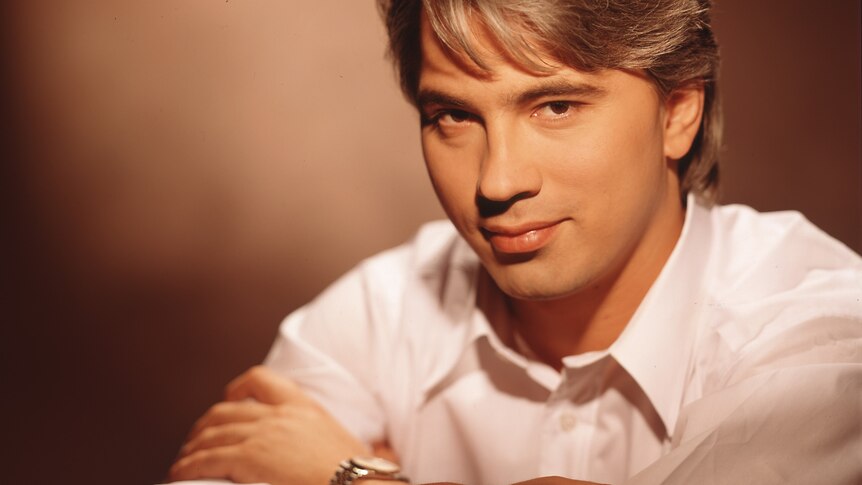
[(376, 464)]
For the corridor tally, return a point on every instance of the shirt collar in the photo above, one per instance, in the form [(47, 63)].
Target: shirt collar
[(657, 344)]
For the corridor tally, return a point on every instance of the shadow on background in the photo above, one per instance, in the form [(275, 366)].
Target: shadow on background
[(178, 176)]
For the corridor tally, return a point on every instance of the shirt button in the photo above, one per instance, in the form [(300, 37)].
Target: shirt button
[(567, 421)]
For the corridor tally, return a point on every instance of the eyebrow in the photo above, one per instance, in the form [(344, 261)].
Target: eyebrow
[(555, 88), (430, 97)]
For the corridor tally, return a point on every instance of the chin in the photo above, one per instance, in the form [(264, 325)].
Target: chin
[(538, 286)]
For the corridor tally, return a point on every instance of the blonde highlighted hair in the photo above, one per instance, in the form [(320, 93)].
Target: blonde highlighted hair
[(670, 40)]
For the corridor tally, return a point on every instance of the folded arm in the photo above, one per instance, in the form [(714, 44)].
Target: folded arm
[(266, 430)]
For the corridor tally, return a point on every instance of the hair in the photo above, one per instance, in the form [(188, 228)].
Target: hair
[(670, 40)]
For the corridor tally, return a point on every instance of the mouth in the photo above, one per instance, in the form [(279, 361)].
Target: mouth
[(519, 239)]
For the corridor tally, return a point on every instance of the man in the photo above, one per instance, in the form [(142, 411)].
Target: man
[(587, 313)]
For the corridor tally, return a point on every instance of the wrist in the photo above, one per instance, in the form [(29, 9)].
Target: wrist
[(367, 470)]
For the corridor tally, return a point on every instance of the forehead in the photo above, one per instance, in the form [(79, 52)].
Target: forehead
[(454, 72)]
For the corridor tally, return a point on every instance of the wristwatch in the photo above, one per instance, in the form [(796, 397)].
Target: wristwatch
[(367, 467)]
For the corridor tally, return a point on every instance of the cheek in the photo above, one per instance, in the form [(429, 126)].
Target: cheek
[(615, 159), (610, 175), (453, 171), (641, 166)]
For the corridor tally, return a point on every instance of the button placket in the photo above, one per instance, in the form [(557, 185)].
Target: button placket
[(567, 421)]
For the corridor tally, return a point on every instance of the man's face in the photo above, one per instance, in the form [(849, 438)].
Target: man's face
[(558, 181)]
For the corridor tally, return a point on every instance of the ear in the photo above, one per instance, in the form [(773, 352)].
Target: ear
[(683, 111)]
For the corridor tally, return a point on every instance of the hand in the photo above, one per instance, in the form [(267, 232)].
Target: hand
[(267, 430)]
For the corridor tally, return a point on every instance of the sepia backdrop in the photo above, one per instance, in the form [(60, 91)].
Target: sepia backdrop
[(177, 176)]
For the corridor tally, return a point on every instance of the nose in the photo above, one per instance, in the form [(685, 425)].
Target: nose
[(507, 174)]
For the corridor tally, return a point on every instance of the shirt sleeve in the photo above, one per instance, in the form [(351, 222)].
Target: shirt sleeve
[(790, 414), (336, 347)]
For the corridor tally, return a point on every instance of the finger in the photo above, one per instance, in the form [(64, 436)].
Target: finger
[(264, 385), (216, 436), (211, 463), (230, 412)]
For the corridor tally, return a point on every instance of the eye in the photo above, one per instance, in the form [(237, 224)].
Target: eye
[(452, 117), (555, 110), (449, 122), (558, 107)]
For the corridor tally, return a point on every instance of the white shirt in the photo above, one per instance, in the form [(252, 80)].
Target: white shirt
[(743, 364)]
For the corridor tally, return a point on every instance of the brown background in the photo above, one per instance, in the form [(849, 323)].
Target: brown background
[(179, 175)]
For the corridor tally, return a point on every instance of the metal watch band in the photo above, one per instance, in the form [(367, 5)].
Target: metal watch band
[(370, 468)]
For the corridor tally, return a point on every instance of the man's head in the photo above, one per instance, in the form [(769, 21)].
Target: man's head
[(671, 40), (556, 135)]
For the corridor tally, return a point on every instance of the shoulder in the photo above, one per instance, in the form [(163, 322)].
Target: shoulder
[(781, 293), (342, 347), (363, 312), (778, 260), (429, 251), (373, 292), (778, 358), (746, 241)]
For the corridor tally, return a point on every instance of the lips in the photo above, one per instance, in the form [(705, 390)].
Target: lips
[(523, 238)]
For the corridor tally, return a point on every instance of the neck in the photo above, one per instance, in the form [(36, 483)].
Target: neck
[(592, 318)]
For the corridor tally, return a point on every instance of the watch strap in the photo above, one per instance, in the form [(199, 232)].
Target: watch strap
[(366, 468)]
